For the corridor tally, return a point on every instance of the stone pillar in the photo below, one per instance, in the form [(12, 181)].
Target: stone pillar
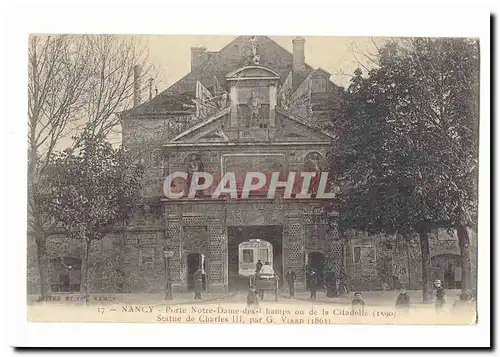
[(217, 255), (272, 106), (234, 106), (293, 240), (173, 237)]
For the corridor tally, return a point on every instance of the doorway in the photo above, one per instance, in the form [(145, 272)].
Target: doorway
[(315, 261), (194, 262), (447, 268), (65, 274)]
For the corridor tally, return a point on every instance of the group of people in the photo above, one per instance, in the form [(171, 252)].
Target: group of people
[(334, 286), (403, 301)]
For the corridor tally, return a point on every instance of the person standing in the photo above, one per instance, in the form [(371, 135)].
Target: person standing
[(258, 266), (331, 284), (198, 283), (252, 297), (439, 294), (313, 283), (290, 279), (403, 301), (358, 302)]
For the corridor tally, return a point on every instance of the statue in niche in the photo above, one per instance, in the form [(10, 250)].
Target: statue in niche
[(193, 164), (255, 106), (313, 160), (254, 56), (224, 101)]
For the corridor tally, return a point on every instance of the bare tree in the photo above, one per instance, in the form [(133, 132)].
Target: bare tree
[(74, 82)]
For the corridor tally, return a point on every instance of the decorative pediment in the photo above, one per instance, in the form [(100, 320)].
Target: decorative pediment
[(209, 129), (297, 129), (253, 72), (291, 129)]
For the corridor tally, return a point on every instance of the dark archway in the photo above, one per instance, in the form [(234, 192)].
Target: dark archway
[(448, 269), (240, 234), (65, 274), (194, 262), (315, 261)]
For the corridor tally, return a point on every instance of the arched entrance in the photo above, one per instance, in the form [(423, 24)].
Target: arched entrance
[(447, 268), (65, 274), (247, 245), (195, 261), (315, 261)]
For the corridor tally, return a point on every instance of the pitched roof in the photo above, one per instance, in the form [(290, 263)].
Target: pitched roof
[(219, 64)]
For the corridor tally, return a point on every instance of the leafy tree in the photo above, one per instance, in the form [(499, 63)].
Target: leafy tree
[(91, 190), (407, 154), (74, 81)]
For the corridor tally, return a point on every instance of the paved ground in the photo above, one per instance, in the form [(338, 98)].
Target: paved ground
[(372, 298)]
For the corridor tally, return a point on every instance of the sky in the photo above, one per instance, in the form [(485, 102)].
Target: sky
[(337, 55)]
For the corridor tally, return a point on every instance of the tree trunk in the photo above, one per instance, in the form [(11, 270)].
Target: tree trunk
[(408, 261), (41, 250), (426, 266), (347, 257), (86, 272), (465, 259)]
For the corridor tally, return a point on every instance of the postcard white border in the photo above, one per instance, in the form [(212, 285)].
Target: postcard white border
[(426, 18)]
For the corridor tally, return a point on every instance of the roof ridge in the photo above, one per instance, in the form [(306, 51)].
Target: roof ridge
[(209, 68)]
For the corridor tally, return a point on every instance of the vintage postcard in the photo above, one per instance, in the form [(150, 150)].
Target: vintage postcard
[(252, 179)]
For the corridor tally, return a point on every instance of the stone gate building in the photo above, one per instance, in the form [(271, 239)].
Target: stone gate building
[(251, 105)]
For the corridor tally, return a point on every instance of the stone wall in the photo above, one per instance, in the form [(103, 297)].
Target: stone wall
[(117, 263), (398, 257)]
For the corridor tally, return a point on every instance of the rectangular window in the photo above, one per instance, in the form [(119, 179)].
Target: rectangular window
[(147, 256), (363, 254), (263, 256), (247, 256), (319, 85), (357, 255), (130, 239)]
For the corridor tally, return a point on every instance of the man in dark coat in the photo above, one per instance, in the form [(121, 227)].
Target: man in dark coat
[(290, 279), (198, 283), (313, 283), (258, 267), (331, 284)]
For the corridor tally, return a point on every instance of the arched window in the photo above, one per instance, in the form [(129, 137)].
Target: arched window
[(65, 274)]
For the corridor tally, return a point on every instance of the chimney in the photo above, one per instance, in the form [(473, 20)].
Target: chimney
[(298, 54), (137, 85), (198, 56)]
